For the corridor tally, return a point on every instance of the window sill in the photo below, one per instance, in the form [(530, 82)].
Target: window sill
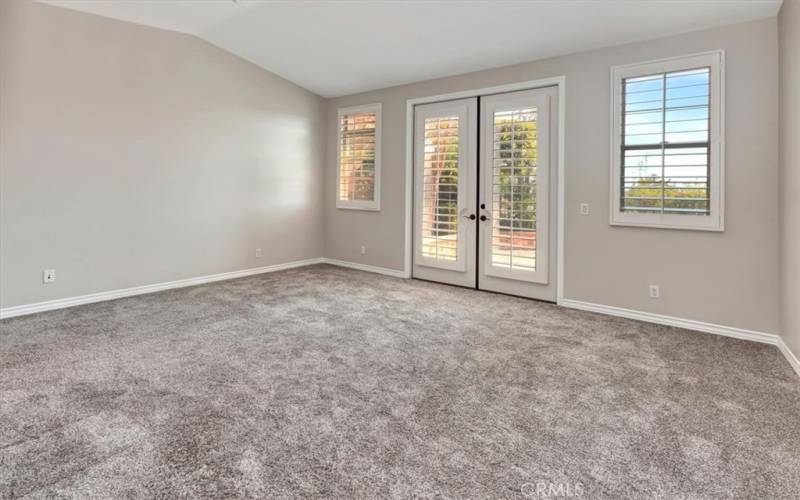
[(351, 206), (712, 226)]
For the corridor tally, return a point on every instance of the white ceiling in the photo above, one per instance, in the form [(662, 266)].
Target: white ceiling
[(339, 47)]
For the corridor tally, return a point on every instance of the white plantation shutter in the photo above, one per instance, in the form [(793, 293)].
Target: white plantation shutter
[(358, 169), (665, 143), (667, 162), (440, 188), (514, 203)]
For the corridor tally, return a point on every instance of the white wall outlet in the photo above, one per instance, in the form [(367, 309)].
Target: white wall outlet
[(584, 209), (363, 250), (48, 275), (654, 292), (258, 252)]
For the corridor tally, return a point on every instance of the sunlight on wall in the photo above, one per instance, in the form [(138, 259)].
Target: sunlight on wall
[(285, 163)]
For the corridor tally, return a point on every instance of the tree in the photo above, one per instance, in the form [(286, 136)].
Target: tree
[(648, 192), (515, 173)]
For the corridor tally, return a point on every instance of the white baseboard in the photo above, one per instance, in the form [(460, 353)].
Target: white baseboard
[(689, 324), (50, 305), (10, 312), (790, 356), (364, 267)]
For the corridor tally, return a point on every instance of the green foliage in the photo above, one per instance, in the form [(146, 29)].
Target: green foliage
[(648, 192), (515, 173), (515, 177)]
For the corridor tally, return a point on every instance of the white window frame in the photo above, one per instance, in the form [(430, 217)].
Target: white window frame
[(715, 221), (375, 203)]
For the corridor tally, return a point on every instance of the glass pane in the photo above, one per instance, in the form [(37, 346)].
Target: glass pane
[(440, 189), (514, 190), (671, 181), (665, 166), (357, 157)]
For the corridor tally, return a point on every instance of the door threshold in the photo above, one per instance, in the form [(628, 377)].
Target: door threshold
[(486, 291)]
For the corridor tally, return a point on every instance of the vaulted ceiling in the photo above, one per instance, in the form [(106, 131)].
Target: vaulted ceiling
[(338, 47)]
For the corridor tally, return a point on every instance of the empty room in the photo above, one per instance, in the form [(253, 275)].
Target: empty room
[(452, 249)]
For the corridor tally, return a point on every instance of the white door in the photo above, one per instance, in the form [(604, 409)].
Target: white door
[(445, 191), (517, 202)]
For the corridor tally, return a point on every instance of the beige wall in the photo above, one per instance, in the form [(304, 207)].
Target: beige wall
[(184, 148), (789, 29), (728, 278), (132, 156)]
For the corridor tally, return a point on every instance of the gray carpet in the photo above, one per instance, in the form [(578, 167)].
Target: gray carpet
[(332, 383)]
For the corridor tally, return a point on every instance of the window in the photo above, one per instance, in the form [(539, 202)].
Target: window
[(358, 174), (666, 159)]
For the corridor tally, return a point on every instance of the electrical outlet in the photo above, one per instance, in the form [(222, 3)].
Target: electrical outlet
[(584, 209), (654, 292), (363, 250), (258, 252), (48, 275)]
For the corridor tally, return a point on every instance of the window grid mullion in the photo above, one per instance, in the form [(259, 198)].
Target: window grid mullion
[(663, 137)]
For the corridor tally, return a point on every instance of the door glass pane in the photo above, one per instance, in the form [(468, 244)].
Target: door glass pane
[(440, 189), (514, 190)]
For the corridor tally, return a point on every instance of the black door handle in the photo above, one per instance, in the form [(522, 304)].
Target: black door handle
[(471, 216), (483, 218)]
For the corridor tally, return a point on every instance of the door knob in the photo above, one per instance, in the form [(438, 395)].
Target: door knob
[(470, 216), (483, 218)]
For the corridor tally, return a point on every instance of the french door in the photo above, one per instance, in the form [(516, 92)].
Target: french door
[(484, 196), (445, 191)]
